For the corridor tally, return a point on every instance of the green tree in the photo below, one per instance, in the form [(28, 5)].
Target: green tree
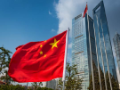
[(4, 54), (11, 87), (4, 64), (72, 81), (97, 83), (37, 85), (40, 84), (34, 84), (60, 84), (44, 88)]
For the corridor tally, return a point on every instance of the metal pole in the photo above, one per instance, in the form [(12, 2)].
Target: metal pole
[(63, 85), (106, 57), (65, 59), (97, 59), (101, 53), (90, 52), (27, 86)]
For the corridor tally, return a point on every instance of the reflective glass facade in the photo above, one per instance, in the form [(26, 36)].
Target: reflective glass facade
[(116, 41), (106, 66), (81, 49)]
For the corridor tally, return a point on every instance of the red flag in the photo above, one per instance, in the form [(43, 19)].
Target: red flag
[(85, 11), (39, 61)]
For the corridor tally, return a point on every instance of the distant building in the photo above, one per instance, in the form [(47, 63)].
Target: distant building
[(51, 84), (105, 61), (116, 41)]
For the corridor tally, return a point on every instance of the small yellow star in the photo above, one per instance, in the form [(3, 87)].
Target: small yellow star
[(41, 52), (44, 55), (41, 46), (54, 44)]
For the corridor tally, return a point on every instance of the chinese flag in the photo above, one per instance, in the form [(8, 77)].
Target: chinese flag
[(39, 61), (85, 11)]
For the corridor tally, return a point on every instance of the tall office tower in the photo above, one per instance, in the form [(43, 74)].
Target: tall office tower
[(116, 41), (81, 48), (105, 60)]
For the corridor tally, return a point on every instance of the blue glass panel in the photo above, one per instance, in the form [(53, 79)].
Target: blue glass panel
[(79, 50), (105, 54)]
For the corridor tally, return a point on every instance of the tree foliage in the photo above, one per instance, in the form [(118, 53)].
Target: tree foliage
[(44, 88), (11, 87), (97, 83), (4, 64), (37, 85), (72, 81), (19, 87)]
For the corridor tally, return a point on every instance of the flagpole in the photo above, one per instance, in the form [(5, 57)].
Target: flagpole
[(90, 50), (27, 86), (65, 59)]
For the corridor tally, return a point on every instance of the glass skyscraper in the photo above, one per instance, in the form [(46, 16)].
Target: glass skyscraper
[(116, 41), (81, 48), (105, 60), (92, 51)]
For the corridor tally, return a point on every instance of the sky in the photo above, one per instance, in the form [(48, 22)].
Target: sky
[(23, 21)]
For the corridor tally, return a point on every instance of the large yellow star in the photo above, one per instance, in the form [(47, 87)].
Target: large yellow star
[(41, 52), (54, 44)]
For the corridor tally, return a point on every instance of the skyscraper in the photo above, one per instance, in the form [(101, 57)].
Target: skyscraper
[(116, 41), (81, 48), (105, 60)]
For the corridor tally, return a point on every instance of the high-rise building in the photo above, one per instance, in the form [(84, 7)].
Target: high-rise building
[(105, 64), (116, 41), (81, 48)]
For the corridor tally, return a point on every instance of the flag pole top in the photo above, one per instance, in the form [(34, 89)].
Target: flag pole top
[(87, 4)]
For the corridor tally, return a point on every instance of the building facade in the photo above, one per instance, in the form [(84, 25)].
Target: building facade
[(81, 48), (116, 41), (51, 84), (105, 64)]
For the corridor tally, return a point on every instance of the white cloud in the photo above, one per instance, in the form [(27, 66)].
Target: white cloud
[(67, 9), (50, 13), (52, 30)]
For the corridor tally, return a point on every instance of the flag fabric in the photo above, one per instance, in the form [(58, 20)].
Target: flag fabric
[(39, 61), (85, 11)]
